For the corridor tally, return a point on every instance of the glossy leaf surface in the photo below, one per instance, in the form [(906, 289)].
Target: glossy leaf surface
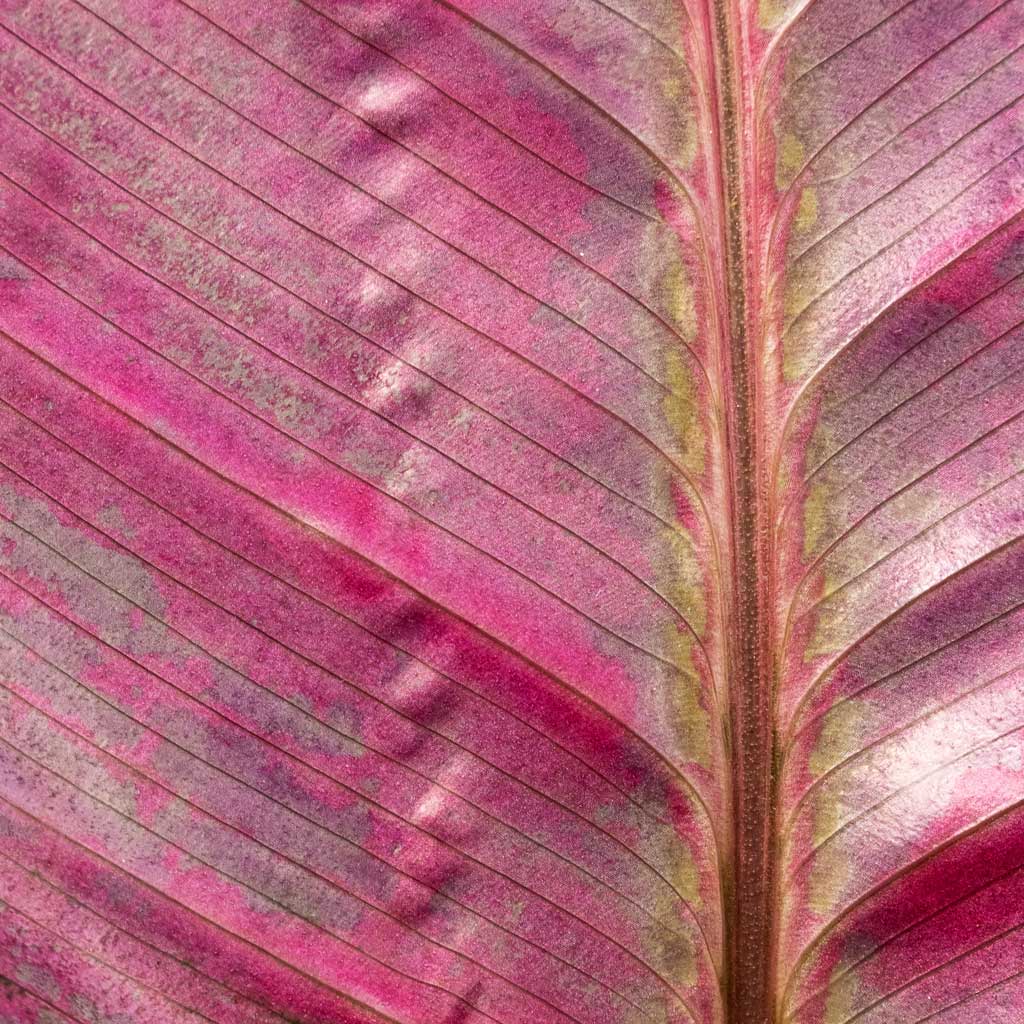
[(510, 511)]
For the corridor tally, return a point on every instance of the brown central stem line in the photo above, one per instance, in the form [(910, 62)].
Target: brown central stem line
[(750, 877)]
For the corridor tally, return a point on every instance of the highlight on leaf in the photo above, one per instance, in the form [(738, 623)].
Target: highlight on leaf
[(511, 512)]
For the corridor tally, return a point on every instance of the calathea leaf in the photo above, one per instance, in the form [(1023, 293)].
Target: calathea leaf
[(510, 511)]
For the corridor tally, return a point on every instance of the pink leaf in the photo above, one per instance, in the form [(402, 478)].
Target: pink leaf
[(511, 512)]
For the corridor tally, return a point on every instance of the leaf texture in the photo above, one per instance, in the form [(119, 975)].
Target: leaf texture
[(511, 512)]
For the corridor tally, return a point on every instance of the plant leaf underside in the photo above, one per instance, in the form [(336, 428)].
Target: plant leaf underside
[(511, 511)]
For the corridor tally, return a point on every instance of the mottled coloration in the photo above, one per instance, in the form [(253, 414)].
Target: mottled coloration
[(511, 512)]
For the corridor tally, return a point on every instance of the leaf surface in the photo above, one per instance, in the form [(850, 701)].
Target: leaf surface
[(510, 512)]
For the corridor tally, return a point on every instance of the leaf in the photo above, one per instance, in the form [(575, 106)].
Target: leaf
[(511, 512)]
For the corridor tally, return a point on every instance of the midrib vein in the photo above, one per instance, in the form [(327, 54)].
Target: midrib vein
[(749, 876)]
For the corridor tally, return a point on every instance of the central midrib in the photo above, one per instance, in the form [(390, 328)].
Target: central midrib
[(749, 875)]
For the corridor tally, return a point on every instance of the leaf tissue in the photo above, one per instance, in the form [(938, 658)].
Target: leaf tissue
[(511, 512)]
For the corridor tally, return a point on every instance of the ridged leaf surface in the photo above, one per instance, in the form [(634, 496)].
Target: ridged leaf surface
[(511, 512)]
